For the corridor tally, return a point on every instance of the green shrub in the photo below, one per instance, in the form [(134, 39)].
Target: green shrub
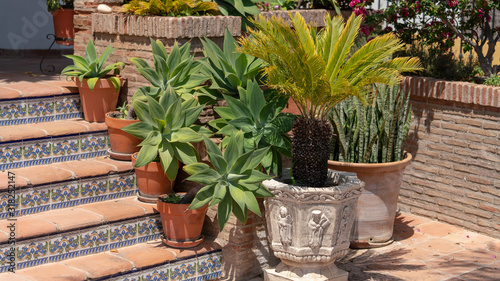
[(171, 8)]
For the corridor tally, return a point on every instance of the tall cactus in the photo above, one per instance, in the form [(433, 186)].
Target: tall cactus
[(374, 133)]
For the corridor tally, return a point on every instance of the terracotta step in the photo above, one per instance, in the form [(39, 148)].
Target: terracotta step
[(34, 102), (66, 233), (51, 142), (66, 184), (145, 261)]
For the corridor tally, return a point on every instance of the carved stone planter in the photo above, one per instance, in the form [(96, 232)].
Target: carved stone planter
[(308, 228)]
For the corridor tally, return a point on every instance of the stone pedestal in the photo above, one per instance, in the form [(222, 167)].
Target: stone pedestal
[(308, 227)]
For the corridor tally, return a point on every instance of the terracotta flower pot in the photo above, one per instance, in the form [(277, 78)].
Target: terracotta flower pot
[(376, 211), (123, 144), (64, 27), (151, 181), (96, 103), (181, 226)]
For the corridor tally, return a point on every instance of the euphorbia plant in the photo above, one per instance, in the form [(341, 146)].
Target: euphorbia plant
[(234, 183), (317, 70), (439, 22)]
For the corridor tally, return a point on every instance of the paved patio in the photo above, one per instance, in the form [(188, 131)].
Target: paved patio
[(423, 249)]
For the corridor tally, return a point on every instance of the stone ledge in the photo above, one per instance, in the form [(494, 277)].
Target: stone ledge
[(165, 27), (462, 92)]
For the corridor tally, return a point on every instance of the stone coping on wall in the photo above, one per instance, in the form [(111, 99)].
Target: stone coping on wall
[(452, 91), (312, 16), (165, 27)]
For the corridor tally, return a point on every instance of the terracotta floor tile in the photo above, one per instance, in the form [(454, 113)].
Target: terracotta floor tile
[(120, 166), (38, 175), (100, 265), (67, 86), (114, 210), (60, 128), (9, 276), (429, 275), (144, 255), (52, 272), (207, 246), (482, 274), (4, 180), (91, 126), (409, 236), (494, 246), (65, 218), (6, 93), (450, 265), (409, 219), (481, 257), (439, 245), (410, 253), (437, 229), (29, 226), (86, 168), (35, 89), (468, 237), (149, 208), (20, 132)]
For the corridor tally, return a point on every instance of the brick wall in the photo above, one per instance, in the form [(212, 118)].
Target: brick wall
[(455, 141)]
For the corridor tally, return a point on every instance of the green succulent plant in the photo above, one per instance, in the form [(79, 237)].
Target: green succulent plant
[(92, 67), (228, 69), (53, 5), (261, 121), (234, 183), (171, 8), (243, 8), (373, 133), (177, 70), (167, 128), (317, 70)]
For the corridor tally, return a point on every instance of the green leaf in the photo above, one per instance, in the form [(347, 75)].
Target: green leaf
[(185, 152), (255, 177), (237, 107), (201, 174), (168, 160), (263, 192), (202, 197), (238, 195), (91, 82), (219, 194), (240, 214), (146, 155), (116, 82), (224, 211), (90, 52), (225, 113), (139, 129), (234, 149), (186, 135), (252, 203)]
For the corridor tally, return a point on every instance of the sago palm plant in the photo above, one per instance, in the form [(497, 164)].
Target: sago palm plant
[(317, 70)]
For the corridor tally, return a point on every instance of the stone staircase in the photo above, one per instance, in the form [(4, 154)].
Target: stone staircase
[(68, 211)]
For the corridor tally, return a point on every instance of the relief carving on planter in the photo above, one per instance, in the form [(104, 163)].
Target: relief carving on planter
[(285, 226), (318, 223), (346, 211)]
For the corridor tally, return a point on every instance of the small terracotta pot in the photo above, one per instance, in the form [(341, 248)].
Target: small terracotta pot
[(151, 181), (96, 103), (123, 144), (181, 226), (64, 27), (376, 210)]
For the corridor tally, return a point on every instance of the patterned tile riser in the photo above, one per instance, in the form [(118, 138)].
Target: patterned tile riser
[(25, 153), (80, 243), (202, 268), (70, 194), (34, 110)]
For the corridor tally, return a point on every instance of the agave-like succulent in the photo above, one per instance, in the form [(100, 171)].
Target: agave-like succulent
[(234, 183)]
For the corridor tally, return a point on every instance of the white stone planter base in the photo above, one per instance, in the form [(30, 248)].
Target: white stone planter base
[(284, 272)]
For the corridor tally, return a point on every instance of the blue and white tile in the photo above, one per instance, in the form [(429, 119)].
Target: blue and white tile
[(32, 253), (136, 276), (65, 194), (9, 203), (149, 228), (121, 185), (93, 190), (12, 112), (93, 145), (64, 246), (37, 152), (40, 110), (156, 274), (209, 266), (11, 155), (35, 200), (7, 258), (67, 107), (184, 270), (122, 235), (94, 241), (65, 148)]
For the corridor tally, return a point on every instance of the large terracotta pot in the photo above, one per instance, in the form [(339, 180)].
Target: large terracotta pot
[(151, 181), (123, 144), (376, 211), (64, 27), (308, 227), (181, 226), (96, 103)]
